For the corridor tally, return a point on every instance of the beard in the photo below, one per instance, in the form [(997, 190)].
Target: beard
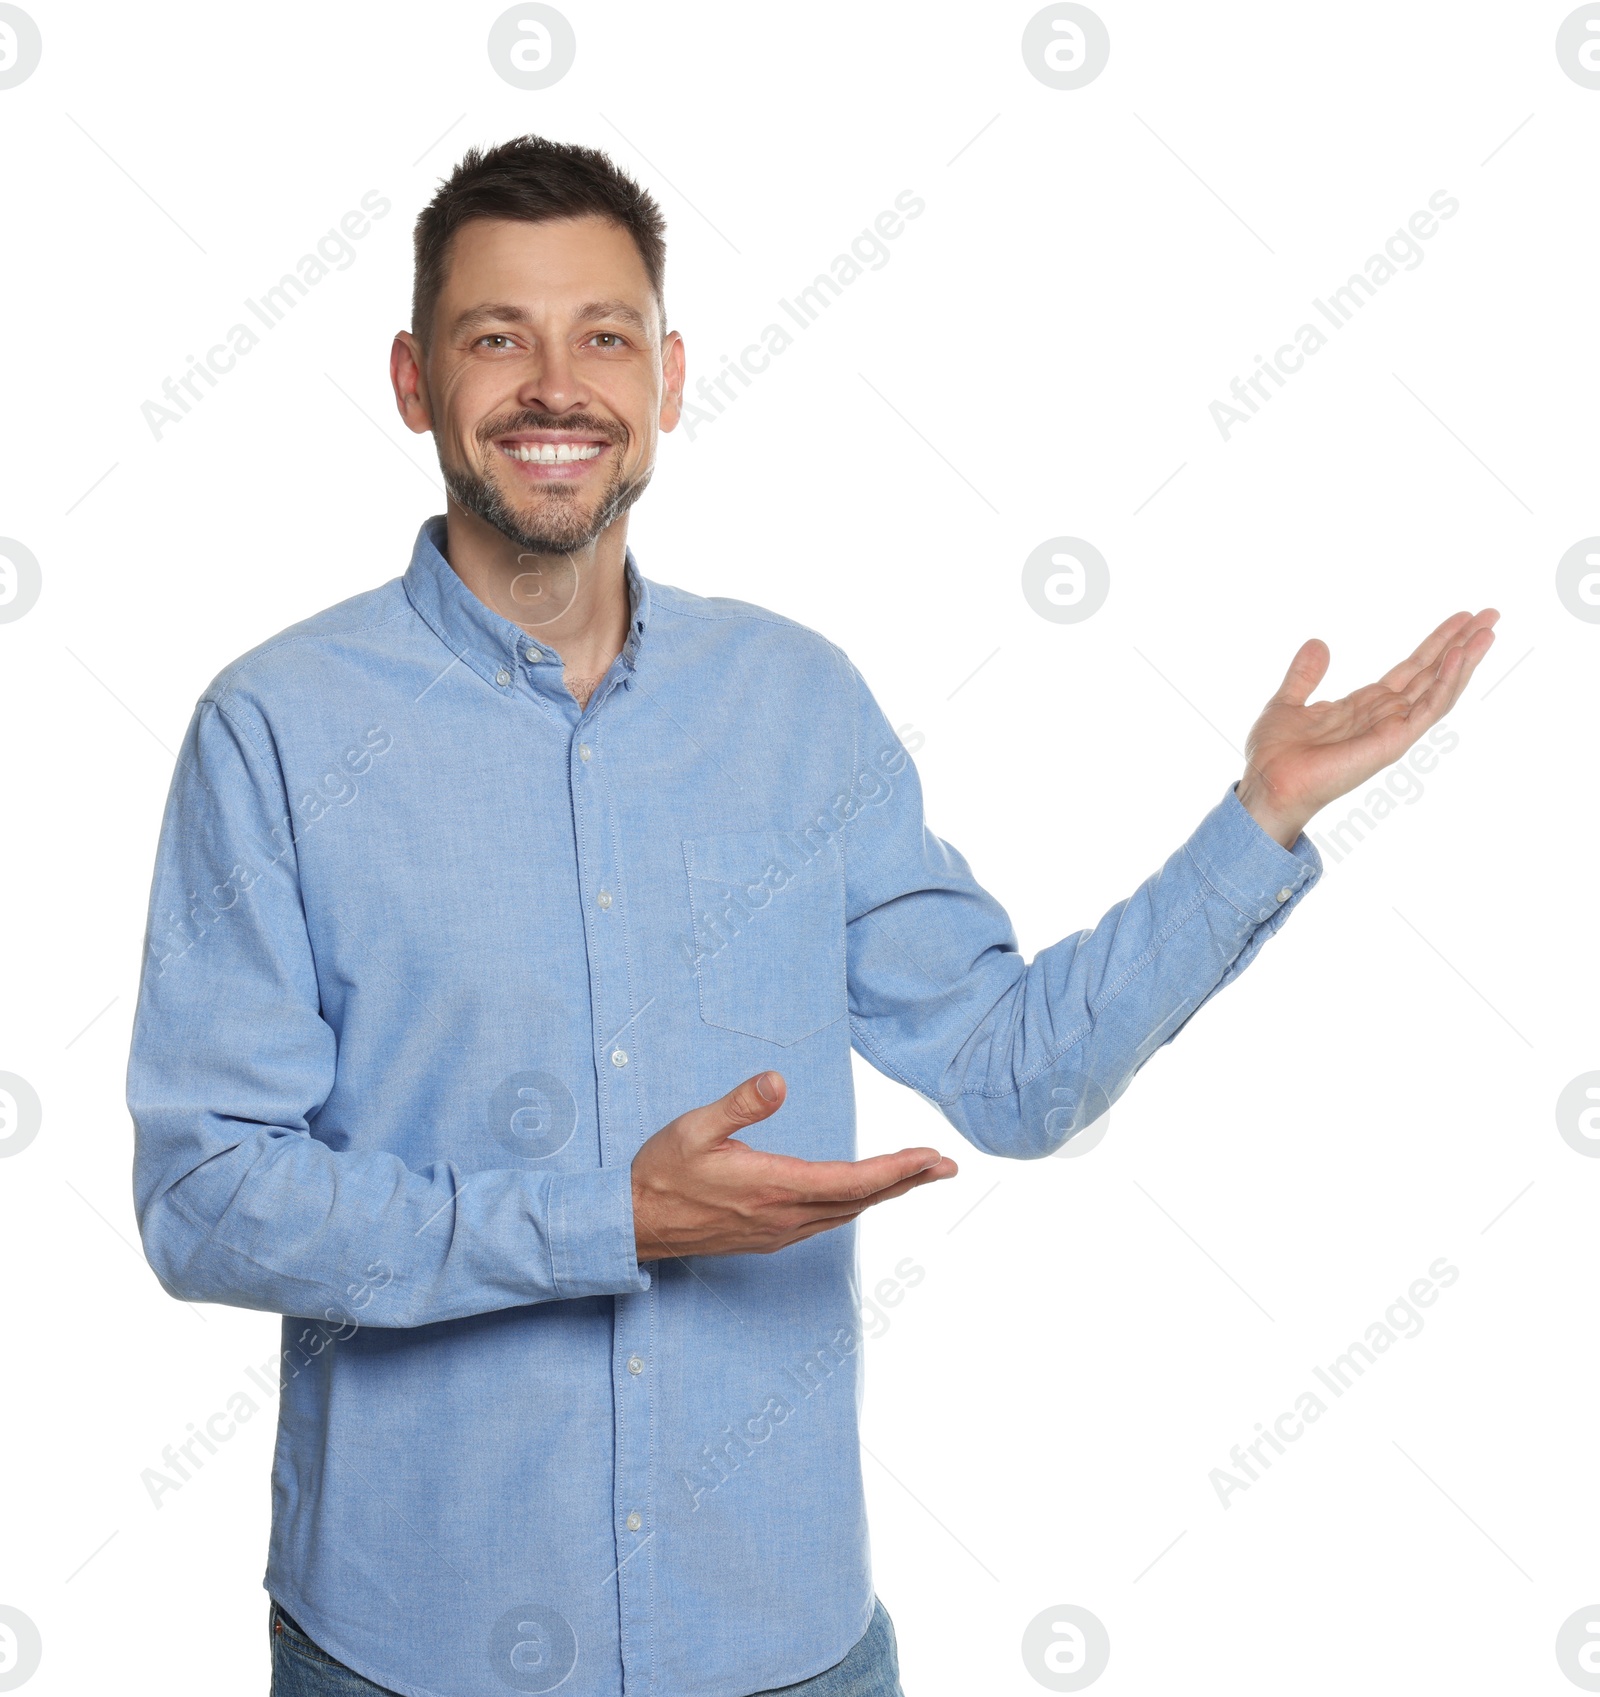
[(555, 519)]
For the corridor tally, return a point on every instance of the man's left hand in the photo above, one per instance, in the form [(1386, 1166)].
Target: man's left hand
[(1299, 757)]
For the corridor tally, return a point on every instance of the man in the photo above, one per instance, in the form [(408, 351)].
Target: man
[(490, 906)]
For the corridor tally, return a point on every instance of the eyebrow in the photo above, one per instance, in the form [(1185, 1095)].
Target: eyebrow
[(503, 313)]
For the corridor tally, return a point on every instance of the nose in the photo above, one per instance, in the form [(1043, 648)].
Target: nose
[(552, 382)]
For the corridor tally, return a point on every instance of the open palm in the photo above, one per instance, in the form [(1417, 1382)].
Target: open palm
[(1301, 755)]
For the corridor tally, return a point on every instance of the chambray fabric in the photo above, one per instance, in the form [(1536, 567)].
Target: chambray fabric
[(431, 952)]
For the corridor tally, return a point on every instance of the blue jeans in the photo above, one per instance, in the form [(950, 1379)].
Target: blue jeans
[(871, 1669)]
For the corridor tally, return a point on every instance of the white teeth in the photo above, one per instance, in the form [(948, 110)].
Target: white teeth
[(552, 453)]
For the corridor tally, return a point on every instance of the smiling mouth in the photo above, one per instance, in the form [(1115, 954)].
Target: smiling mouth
[(551, 453), (550, 456)]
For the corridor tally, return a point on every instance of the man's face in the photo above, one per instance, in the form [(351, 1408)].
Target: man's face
[(546, 380)]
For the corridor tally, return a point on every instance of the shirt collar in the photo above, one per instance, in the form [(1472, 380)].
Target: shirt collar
[(479, 636)]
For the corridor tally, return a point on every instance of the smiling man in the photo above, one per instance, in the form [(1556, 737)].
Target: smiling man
[(512, 926)]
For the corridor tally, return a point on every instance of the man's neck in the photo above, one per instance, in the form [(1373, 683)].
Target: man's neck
[(575, 603)]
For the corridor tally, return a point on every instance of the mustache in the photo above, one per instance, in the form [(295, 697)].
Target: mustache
[(576, 424)]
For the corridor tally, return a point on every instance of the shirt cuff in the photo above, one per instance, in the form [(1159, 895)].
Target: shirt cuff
[(1249, 869), (591, 1234)]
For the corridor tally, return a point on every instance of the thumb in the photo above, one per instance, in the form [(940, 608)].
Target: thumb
[(746, 1104), (1306, 671)]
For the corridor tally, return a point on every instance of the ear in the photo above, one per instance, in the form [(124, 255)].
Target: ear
[(673, 367), (408, 376)]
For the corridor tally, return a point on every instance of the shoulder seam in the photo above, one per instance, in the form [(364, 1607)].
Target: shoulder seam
[(284, 639), (240, 723), (744, 610)]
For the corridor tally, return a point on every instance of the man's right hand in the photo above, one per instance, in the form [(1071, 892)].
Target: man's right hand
[(699, 1190)]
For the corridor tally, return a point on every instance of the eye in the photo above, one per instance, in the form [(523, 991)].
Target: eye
[(608, 337), (494, 336)]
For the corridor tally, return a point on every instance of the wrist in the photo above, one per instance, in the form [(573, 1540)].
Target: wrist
[(1284, 828)]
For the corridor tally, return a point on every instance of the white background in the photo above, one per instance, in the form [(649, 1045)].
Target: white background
[(1036, 358)]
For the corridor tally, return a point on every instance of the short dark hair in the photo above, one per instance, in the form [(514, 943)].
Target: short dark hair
[(533, 179)]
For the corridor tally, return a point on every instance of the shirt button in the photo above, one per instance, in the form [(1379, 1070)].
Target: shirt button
[(604, 898), (583, 751), (635, 1365), (635, 1521), (502, 677), (1284, 894), (619, 1057), (532, 654)]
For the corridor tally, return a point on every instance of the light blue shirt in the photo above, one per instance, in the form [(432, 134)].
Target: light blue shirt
[(431, 952)]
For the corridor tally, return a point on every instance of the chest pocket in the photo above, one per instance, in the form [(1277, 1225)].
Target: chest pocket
[(767, 910)]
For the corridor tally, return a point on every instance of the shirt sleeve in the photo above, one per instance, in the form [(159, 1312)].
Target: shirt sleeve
[(238, 1202), (1018, 1055)]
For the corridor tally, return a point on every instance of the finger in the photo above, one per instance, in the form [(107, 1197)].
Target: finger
[(1473, 642), (1306, 671), (943, 1169), (1475, 652), (756, 1099), (1434, 702), (1426, 653), (850, 1181), (1478, 638), (1455, 670), (1403, 718), (828, 1220)]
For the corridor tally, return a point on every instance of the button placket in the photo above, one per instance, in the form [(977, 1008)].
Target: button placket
[(614, 1034)]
